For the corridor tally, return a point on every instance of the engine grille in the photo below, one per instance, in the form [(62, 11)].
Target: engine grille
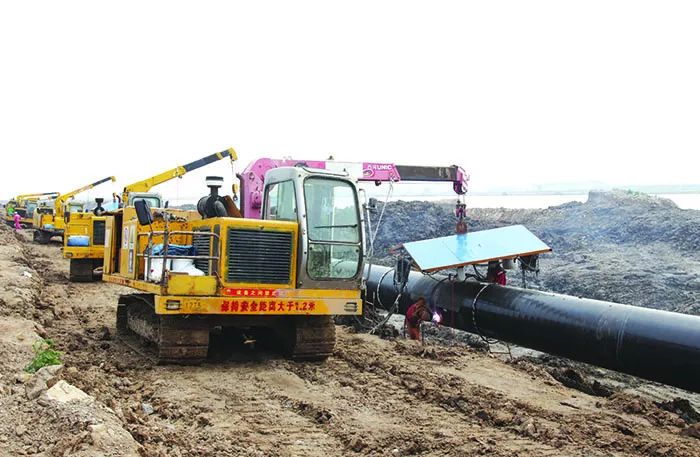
[(258, 256), (202, 246), (98, 233)]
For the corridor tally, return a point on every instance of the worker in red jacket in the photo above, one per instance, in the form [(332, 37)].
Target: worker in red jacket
[(416, 313), (495, 273)]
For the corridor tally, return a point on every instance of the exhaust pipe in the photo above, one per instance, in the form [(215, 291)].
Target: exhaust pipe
[(656, 345)]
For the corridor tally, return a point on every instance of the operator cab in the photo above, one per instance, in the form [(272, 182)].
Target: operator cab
[(325, 205), (45, 207), (21, 211), (75, 207), (31, 206), (154, 200)]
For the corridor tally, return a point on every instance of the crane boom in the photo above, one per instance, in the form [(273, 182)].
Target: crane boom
[(59, 203), (36, 196), (253, 177), (146, 184)]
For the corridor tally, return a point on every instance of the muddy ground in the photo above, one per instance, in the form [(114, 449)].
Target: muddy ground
[(372, 397)]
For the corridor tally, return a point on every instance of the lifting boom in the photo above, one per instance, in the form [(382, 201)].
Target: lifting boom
[(36, 196), (177, 172), (253, 177), (62, 199)]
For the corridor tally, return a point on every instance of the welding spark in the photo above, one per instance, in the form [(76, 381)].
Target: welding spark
[(437, 318)]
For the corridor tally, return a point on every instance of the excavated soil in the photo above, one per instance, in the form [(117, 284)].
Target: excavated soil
[(373, 397)]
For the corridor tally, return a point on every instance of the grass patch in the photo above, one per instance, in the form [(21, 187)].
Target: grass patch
[(44, 355), (635, 193)]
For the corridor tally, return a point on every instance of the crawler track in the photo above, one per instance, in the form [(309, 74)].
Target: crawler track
[(185, 339), (81, 270), (313, 338), (181, 340)]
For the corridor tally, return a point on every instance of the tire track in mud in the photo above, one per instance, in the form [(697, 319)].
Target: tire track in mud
[(431, 426), (515, 426), (603, 429), (242, 403)]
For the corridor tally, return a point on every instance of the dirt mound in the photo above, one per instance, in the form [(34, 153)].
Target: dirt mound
[(409, 221), (682, 408), (42, 425), (620, 217), (606, 217)]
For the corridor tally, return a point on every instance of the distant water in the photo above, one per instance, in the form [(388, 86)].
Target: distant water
[(684, 201)]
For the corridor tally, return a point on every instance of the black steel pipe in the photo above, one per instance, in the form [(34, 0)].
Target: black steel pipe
[(656, 345)]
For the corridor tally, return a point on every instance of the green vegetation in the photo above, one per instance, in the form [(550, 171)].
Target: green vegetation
[(44, 355)]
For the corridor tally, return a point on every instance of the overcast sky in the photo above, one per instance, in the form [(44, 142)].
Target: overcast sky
[(514, 91)]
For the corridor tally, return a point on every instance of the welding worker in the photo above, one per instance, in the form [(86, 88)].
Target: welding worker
[(495, 273), (416, 313)]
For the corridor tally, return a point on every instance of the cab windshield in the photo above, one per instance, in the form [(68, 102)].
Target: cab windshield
[(333, 225), (153, 202), (31, 206), (75, 207)]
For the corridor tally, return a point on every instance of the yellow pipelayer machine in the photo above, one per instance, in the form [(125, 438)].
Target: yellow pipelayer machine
[(50, 220), (90, 227), (25, 205), (195, 271)]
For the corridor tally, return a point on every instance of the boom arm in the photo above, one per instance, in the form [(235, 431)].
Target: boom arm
[(148, 183), (253, 177), (36, 196), (61, 200)]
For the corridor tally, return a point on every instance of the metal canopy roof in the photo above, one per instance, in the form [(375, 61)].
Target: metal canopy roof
[(475, 247)]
